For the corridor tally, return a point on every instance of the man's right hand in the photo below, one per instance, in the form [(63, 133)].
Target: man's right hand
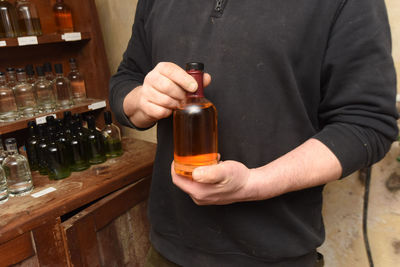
[(162, 90)]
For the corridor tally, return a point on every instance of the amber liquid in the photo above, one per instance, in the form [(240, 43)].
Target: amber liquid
[(64, 21), (195, 136), (30, 27)]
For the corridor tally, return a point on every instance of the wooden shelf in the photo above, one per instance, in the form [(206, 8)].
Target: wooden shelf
[(85, 106), (43, 39), (22, 214)]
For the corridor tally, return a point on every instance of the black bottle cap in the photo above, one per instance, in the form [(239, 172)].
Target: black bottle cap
[(31, 124), (47, 67), (41, 130), (107, 117), (20, 70), (39, 71), (10, 140), (194, 66), (2, 73), (91, 122), (29, 69), (10, 69), (58, 68), (72, 60), (50, 120)]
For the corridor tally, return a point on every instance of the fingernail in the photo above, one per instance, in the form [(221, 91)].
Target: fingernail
[(193, 87), (198, 171)]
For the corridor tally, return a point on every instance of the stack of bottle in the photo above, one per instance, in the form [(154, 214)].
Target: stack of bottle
[(60, 147), (22, 19), (24, 94)]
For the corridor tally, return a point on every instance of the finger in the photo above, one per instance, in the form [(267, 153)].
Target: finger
[(163, 84), (177, 75), (210, 174), (156, 112), (163, 100), (206, 79)]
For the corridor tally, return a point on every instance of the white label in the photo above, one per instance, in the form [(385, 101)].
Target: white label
[(97, 105), (3, 43), (71, 36), (27, 40), (41, 120), (43, 192)]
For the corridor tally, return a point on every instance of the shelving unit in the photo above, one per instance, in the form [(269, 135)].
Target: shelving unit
[(47, 39)]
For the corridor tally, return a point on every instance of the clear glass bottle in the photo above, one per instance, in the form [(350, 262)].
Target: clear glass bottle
[(57, 166), (8, 106), (30, 74), (25, 96), (42, 149), (31, 146), (79, 148), (63, 17), (95, 143), (16, 167), (46, 100), (195, 128), (28, 18), (112, 137), (77, 81), (62, 88), (8, 20), (3, 186), (11, 77), (3, 153), (48, 72)]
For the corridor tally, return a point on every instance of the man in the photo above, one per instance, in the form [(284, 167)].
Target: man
[(305, 92)]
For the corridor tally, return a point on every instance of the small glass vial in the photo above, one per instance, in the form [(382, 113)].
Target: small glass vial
[(46, 100), (195, 128), (8, 20), (3, 186), (28, 18), (31, 146), (62, 88), (30, 74), (25, 96), (8, 106), (77, 82), (95, 143), (16, 167), (112, 137), (63, 17)]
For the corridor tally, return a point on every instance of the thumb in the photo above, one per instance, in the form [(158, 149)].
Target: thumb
[(209, 174)]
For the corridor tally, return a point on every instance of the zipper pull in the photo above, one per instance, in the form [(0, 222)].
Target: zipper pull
[(218, 5)]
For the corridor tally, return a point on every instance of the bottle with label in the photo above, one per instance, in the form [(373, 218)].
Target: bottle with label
[(58, 167), (42, 149), (62, 88), (46, 100), (16, 168), (79, 148), (95, 143), (31, 146), (28, 18), (77, 82), (195, 128), (8, 20), (8, 106), (63, 17), (30, 74), (112, 137), (25, 96)]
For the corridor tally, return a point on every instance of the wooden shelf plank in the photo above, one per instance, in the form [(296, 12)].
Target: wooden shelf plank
[(43, 39), (22, 214), (85, 106)]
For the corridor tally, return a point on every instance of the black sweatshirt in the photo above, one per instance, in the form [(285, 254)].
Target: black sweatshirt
[(282, 72)]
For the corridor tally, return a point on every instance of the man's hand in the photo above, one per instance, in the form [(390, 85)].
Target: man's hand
[(163, 88), (223, 183)]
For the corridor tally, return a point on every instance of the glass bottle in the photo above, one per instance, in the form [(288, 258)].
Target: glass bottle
[(57, 166), (31, 146), (16, 167), (8, 20), (195, 128), (112, 137), (3, 186), (48, 72), (63, 17), (79, 149), (95, 143), (30, 74), (2, 152), (46, 101), (8, 106), (11, 77), (62, 88), (42, 149), (77, 82), (25, 96), (28, 18), (63, 139)]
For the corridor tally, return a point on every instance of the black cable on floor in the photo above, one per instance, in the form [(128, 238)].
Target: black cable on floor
[(365, 215)]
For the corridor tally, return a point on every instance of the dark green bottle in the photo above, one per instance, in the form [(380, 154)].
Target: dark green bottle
[(95, 143), (57, 166), (79, 149), (42, 149), (31, 146), (112, 137), (63, 139)]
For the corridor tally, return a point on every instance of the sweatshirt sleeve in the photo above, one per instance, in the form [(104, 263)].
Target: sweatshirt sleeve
[(357, 112), (136, 63)]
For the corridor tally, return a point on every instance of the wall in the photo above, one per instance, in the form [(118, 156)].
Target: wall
[(343, 200)]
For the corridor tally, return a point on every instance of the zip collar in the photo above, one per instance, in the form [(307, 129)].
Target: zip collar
[(218, 9)]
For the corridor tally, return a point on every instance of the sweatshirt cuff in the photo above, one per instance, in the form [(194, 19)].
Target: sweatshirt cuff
[(347, 146)]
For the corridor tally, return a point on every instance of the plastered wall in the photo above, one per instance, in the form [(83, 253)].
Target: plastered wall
[(343, 200)]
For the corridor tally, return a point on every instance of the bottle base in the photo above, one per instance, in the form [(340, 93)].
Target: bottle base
[(186, 170), (20, 192)]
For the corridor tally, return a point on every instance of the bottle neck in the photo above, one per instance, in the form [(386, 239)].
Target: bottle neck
[(2, 80), (198, 76), (21, 77), (12, 149)]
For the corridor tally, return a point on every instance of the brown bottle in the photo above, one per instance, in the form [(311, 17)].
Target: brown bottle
[(63, 17), (195, 128)]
